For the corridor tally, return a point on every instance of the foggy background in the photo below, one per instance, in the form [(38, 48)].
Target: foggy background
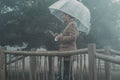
[(26, 23)]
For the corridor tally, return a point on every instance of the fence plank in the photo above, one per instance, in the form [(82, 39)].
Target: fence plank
[(92, 62), (2, 65), (33, 65), (107, 65)]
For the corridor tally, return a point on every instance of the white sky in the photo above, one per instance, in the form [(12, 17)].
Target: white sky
[(116, 1)]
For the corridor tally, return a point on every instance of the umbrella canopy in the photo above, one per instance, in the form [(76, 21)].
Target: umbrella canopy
[(75, 9)]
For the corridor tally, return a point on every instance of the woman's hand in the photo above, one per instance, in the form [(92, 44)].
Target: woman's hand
[(60, 36)]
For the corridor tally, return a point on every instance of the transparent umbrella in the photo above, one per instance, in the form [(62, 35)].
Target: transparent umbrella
[(74, 8)]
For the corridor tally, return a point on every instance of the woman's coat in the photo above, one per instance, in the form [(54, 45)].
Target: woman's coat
[(70, 34)]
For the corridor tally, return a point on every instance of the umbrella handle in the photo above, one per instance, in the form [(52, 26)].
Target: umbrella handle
[(51, 33)]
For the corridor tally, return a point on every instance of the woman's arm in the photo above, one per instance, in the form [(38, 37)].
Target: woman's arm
[(73, 33)]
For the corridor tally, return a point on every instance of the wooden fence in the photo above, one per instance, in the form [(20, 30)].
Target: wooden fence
[(93, 54)]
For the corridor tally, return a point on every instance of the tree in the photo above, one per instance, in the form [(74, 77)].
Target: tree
[(29, 21), (24, 21)]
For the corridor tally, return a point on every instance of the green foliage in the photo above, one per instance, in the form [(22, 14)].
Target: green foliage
[(29, 21)]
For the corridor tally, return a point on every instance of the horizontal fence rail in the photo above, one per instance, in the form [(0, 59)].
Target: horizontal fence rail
[(52, 53), (107, 58), (48, 53), (115, 52)]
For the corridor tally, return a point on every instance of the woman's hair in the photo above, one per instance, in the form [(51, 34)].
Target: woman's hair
[(70, 16)]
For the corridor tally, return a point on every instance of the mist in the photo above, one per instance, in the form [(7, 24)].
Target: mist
[(28, 21)]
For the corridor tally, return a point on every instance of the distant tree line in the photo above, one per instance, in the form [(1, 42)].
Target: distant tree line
[(29, 21)]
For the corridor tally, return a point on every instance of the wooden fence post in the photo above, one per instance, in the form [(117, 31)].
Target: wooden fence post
[(2, 65), (107, 64), (92, 62), (33, 65)]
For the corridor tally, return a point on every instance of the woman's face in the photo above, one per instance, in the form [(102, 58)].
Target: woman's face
[(65, 17)]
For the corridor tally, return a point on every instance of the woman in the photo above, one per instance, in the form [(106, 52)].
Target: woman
[(67, 40)]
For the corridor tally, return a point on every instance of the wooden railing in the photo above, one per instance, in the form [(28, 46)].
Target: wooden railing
[(93, 54)]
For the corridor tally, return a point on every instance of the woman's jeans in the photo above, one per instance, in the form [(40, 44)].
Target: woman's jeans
[(67, 71)]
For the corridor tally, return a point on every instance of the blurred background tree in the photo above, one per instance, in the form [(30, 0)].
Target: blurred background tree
[(28, 21)]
